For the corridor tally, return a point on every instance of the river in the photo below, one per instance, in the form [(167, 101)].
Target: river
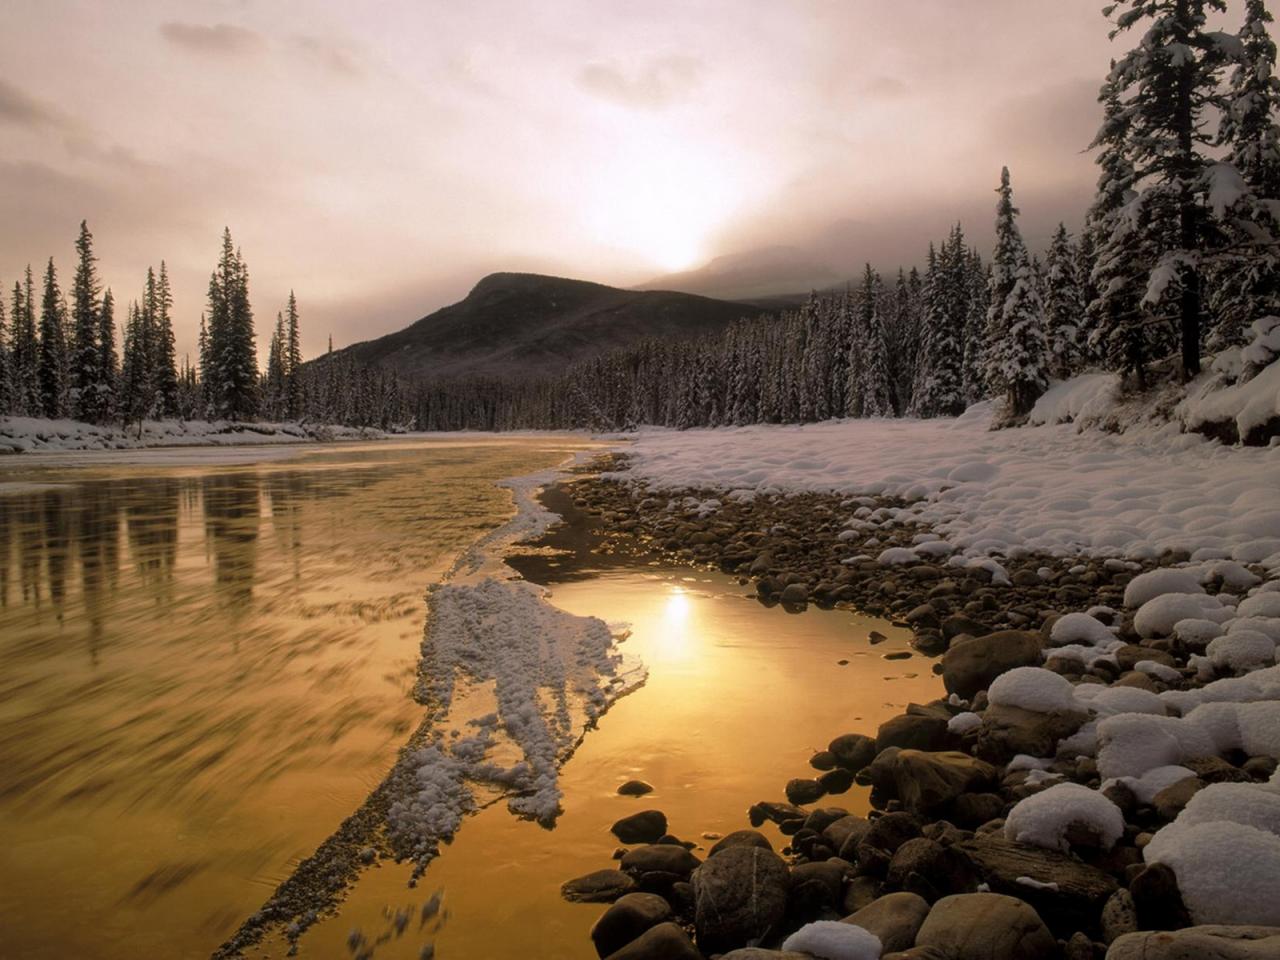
[(208, 665)]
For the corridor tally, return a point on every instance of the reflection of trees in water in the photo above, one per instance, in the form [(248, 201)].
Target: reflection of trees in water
[(57, 545), (151, 509), (97, 535), (231, 533)]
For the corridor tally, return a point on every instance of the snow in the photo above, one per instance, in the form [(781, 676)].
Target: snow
[(1214, 862), (1242, 650), (1159, 615), (1044, 819), (1147, 586), (1032, 688), (1130, 744), (962, 723), (833, 940), (1052, 489), (1152, 782), (1080, 628), (1067, 400), (1249, 404), (1260, 604), (32, 435), (1112, 701)]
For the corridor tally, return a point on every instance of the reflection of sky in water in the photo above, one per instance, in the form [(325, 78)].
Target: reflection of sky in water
[(204, 672)]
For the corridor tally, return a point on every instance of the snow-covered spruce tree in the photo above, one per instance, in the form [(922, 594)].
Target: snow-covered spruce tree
[(53, 348), (134, 400), (273, 383), (86, 378), (293, 361), (24, 351), (1086, 261), (975, 330), (1168, 83), (232, 379), (1015, 319), (815, 363), (1063, 306), (6, 370), (108, 362), (1244, 281), (163, 355), (938, 389), (875, 386)]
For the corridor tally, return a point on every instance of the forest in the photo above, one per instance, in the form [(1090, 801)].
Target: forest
[(1178, 255)]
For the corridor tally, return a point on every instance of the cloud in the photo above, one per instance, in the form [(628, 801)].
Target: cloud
[(329, 56), (21, 109), (885, 88), (659, 83), (221, 39)]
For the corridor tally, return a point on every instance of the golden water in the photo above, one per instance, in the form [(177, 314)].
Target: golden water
[(205, 668)]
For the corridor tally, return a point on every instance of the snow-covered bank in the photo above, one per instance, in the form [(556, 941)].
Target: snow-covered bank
[(31, 434), (1050, 490)]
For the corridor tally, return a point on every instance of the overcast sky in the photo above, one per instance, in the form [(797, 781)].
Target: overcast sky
[(378, 158)]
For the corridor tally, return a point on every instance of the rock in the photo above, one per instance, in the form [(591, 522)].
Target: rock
[(830, 875), (647, 826), (987, 926), (818, 820), (894, 918), (740, 896), (974, 809), (602, 886), (853, 751), (969, 665), (882, 840), (802, 790), (822, 760), (1079, 947), (1156, 899), (795, 593), (660, 858), (912, 732), (759, 953), (1118, 916), (1216, 770), (634, 788), (840, 831), (837, 781), (1168, 803), (1007, 731), (1199, 943), (927, 782), (927, 868), (957, 626), (861, 892), (1081, 890), (741, 838), (666, 941), (627, 919), (778, 813)]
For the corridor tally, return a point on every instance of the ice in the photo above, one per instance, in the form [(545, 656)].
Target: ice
[(1044, 819), (833, 940)]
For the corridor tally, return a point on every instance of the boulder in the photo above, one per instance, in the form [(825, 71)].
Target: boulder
[(803, 790), (634, 788), (927, 868), (987, 926), (1007, 731), (970, 664), (666, 941), (741, 838), (602, 886), (928, 782), (911, 731), (894, 918), (1156, 899), (1199, 943), (647, 826), (840, 831), (1119, 916), (660, 858), (627, 919), (853, 751), (881, 841), (740, 896), (1067, 893)]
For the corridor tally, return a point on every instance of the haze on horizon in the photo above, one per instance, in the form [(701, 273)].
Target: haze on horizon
[(380, 161)]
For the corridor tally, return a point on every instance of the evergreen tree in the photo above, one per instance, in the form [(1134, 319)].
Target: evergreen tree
[(53, 348), (1063, 306), (876, 393), (273, 388), (975, 331), (293, 361), (1172, 77), (86, 378), (108, 363), (1015, 321), (232, 377), (25, 351), (164, 372), (6, 367), (135, 383), (939, 387)]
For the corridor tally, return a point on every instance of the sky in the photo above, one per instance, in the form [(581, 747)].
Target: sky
[(378, 158)]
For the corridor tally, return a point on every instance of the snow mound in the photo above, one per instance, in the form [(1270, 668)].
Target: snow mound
[(1147, 586), (1045, 819), (1067, 400), (1152, 782), (1215, 862), (1080, 628), (962, 723), (832, 940), (1159, 615), (1266, 604), (1130, 744), (1242, 650), (1032, 688)]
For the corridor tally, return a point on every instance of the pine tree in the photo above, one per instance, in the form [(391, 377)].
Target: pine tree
[(135, 383), (1063, 306), (25, 351), (108, 363), (1244, 279), (975, 331), (164, 373), (53, 348), (232, 377), (293, 361), (6, 368), (1172, 76), (273, 388), (86, 379), (939, 387), (1015, 320), (876, 393)]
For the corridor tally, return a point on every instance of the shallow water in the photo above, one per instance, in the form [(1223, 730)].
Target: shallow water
[(738, 697), (206, 661)]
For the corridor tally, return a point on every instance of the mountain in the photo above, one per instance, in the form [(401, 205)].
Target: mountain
[(525, 323), (753, 275)]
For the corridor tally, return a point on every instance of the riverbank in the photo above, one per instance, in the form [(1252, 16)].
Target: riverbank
[(1104, 762)]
